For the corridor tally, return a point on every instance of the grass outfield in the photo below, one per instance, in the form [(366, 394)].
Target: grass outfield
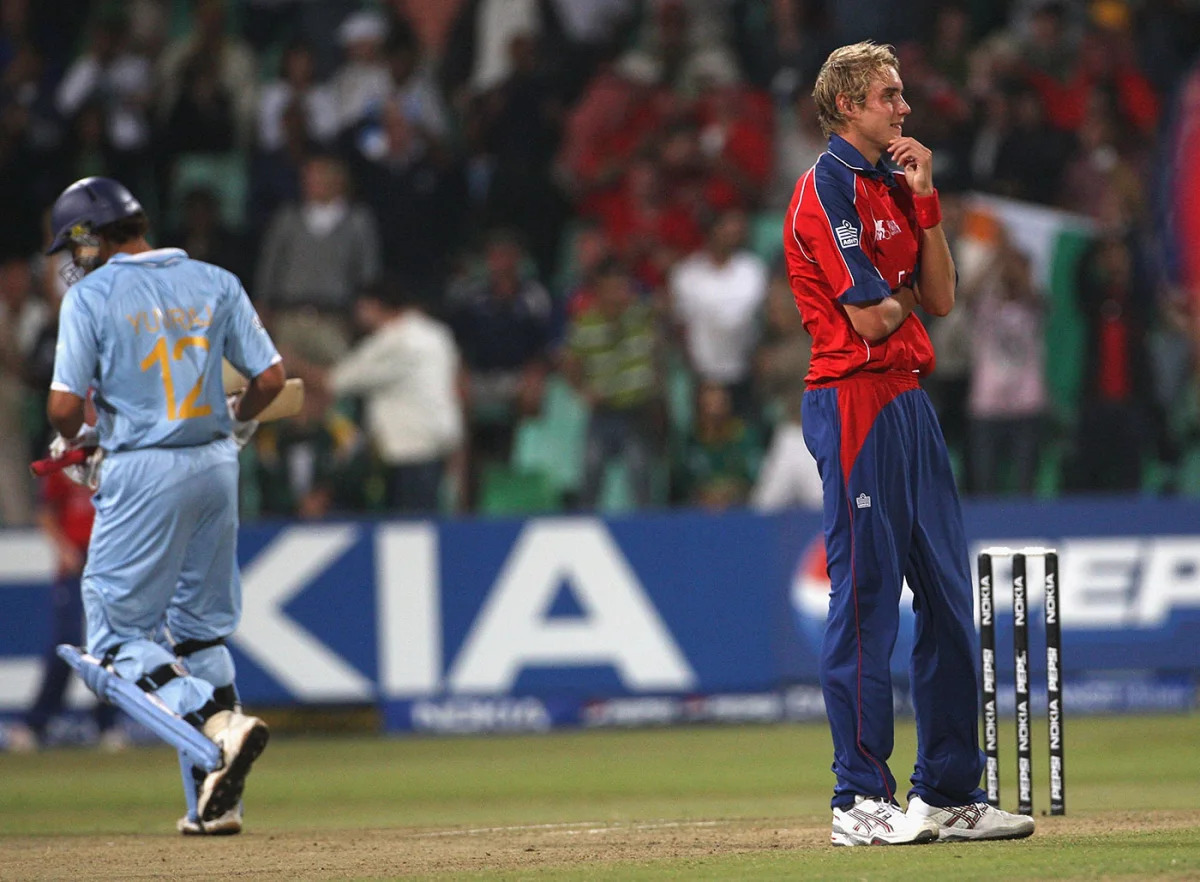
[(687, 803)]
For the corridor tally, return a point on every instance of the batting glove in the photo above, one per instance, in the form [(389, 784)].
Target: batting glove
[(243, 430), (87, 436), (87, 473)]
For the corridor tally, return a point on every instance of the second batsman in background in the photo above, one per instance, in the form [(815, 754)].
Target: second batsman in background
[(145, 329), (65, 516), (865, 247)]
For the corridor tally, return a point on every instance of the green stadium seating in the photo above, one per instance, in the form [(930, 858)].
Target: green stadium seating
[(509, 491), (223, 173), (766, 235), (553, 442), (681, 394), (1188, 477)]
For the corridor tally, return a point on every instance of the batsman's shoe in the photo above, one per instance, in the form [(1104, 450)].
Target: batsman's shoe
[(874, 821), (241, 739), (972, 821), (226, 825), (22, 739)]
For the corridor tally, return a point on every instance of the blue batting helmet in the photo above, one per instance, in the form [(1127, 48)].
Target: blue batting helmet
[(87, 205)]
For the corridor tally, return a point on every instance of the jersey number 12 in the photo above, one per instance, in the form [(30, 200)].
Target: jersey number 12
[(158, 355)]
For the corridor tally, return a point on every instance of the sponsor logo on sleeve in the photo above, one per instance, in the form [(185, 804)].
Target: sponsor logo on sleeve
[(847, 234)]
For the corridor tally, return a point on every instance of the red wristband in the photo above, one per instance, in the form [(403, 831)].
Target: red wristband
[(928, 209)]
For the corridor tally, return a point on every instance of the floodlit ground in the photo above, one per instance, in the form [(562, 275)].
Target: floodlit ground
[(717, 802)]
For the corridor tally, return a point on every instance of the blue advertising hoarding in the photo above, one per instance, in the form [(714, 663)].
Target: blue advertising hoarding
[(479, 625)]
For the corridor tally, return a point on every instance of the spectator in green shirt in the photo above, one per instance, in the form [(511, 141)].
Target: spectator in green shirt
[(313, 464), (612, 360), (720, 460)]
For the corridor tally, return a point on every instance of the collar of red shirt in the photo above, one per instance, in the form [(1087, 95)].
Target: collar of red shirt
[(844, 152)]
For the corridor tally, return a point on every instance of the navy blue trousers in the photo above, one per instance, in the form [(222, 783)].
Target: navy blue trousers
[(67, 604), (891, 513)]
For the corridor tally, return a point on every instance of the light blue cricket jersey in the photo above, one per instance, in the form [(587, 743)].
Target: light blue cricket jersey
[(147, 332)]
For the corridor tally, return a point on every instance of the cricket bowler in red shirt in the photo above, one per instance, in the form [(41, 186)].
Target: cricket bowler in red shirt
[(865, 247)]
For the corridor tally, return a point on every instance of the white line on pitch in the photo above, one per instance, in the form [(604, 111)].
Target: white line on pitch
[(573, 827), (511, 829), (660, 826)]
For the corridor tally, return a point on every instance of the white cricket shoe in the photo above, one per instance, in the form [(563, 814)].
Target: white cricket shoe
[(22, 739), (226, 825), (113, 741), (972, 821), (241, 739), (875, 821)]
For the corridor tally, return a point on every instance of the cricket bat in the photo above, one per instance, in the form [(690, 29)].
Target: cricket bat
[(286, 404), (43, 467)]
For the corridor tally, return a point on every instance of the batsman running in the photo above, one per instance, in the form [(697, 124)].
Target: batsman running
[(865, 247), (145, 329)]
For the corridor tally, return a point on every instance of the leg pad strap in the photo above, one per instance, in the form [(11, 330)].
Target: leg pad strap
[(225, 696), (161, 676), (186, 647), (198, 717)]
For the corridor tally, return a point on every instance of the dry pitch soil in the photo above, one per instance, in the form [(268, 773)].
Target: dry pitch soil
[(398, 852)]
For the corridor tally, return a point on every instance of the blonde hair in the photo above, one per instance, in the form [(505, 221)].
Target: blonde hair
[(849, 71)]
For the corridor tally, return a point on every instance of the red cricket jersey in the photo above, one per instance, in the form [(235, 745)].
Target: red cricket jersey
[(71, 507), (851, 236)]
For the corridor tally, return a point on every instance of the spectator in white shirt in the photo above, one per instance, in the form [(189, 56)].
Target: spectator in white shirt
[(1008, 397), (717, 297), (789, 475), (112, 73), (296, 83), (207, 45), (415, 91), (363, 81), (407, 371)]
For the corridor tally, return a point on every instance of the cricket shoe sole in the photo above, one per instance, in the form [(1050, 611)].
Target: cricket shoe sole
[(242, 740), (228, 824)]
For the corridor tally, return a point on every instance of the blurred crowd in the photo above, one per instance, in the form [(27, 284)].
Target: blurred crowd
[(525, 253)]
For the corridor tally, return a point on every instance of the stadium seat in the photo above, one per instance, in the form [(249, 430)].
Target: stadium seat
[(250, 497), (567, 263), (509, 491), (223, 173), (1188, 478), (553, 442), (616, 497), (181, 21), (616, 493), (680, 397), (1049, 479), (766, 235)]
